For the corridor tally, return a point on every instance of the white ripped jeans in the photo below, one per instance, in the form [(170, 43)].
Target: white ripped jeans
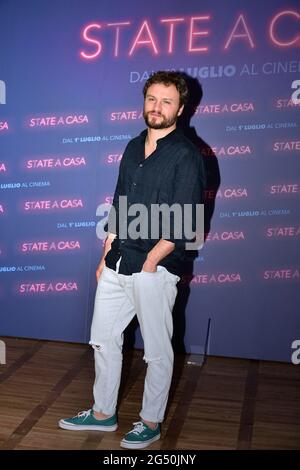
[(119, 297)]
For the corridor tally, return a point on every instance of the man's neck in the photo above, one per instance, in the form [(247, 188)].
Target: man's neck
[(154, 134)]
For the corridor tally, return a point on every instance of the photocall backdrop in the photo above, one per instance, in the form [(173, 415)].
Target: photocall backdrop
[(71, 79)]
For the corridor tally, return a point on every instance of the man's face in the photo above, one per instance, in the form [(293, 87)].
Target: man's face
[(161, 106)]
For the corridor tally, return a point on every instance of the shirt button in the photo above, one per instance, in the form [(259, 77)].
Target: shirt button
[(134, 184), (141, 164)]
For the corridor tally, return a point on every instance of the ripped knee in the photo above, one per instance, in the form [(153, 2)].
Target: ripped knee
[(151, 359), (96, 347)]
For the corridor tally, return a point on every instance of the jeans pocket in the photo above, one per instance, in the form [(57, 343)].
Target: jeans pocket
[(148, 272), (171, 276)]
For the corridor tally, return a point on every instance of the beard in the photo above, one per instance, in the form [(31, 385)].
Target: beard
[(159, 122)]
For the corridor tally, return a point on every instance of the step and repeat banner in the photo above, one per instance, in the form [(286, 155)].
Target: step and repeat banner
[(71, 79)]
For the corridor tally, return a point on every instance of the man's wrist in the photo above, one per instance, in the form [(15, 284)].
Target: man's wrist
[(152, 259)]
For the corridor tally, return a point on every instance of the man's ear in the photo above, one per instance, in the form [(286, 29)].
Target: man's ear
[(180, 110)]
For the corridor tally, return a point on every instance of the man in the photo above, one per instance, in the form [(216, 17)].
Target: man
[(138, 275)]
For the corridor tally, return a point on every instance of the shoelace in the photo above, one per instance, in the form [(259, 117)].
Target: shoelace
[(83, 414), (139, 427)]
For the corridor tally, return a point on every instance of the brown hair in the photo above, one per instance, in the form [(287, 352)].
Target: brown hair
[(169, 78)]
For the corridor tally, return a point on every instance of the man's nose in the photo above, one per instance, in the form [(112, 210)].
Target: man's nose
[(157, 106)]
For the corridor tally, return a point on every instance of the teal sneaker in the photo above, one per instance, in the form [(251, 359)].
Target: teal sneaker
[(140, 436), (85, 421)]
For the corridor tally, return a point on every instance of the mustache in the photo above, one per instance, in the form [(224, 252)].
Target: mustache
[(156, 114)]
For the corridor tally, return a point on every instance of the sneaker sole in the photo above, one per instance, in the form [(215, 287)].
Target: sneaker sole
[(81, 427), (138, 445)]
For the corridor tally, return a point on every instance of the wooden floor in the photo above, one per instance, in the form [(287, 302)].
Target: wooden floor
[(226, 404)]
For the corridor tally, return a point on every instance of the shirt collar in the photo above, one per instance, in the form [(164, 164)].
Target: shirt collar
[(168, 138)]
